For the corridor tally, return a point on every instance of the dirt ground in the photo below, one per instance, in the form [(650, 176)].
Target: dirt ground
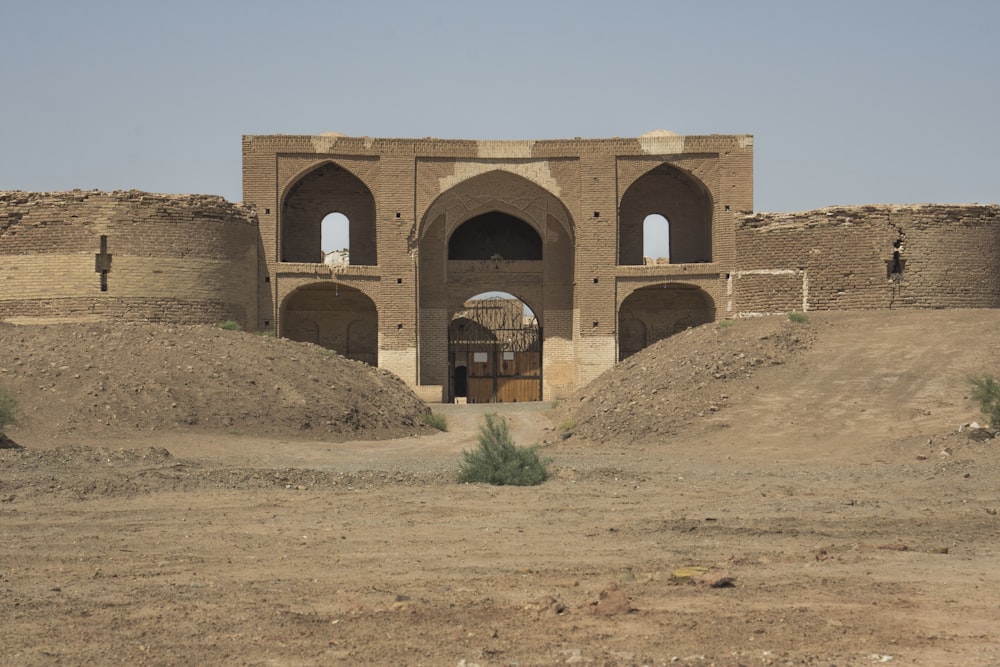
[(821, 475)]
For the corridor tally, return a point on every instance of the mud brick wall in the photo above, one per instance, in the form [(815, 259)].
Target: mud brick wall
[(129, 255), (868, 257)]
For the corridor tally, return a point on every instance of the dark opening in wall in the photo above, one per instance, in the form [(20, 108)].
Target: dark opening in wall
[(686, 207), (895, 266), (495, 236), (102, 263)]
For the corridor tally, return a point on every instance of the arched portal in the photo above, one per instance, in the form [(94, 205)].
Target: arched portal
[(495, 351), (682, 200), (326, 189), (652, 313), (337, 317), (495, 232)]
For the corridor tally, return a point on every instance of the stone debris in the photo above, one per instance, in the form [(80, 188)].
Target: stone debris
[(612, 601)]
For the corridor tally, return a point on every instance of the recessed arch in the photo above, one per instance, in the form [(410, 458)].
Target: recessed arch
[(503, 192), (326, 189), (335, 316), (682, 200), (656, 312)]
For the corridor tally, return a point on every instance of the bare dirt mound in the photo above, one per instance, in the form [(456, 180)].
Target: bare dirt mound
[(106, 379), (844, 379), (699, 371)]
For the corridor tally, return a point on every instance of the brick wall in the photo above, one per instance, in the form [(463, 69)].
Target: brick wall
[(131, 255), (866, 257)]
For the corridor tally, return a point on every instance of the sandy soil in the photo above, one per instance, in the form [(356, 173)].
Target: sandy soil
[(823, 478)]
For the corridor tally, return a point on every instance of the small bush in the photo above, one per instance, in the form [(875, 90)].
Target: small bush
[(265, 333), (986, 392), (230, 325), (797, 317), (8, 409), (724, 324), (499, 461), (437, 421), (567, 425)]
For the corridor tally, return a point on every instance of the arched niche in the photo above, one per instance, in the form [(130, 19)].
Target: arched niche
[(681, 199), (653, 313), (327, 188), (334, 316)]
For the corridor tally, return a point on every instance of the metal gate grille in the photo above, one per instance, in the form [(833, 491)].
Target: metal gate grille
[(495, 352)]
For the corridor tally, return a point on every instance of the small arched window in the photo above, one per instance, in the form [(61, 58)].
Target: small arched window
[(335, 240), (656, 238)]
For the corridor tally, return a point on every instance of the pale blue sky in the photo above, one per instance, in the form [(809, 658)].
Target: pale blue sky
[(850, 102)]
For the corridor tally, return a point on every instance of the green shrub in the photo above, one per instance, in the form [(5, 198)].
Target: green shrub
[(230, 325), (567, 425), (437, 421), (986, 392), (266, 333), (797, 317), (724, 324), (499, 461), (8, 409)]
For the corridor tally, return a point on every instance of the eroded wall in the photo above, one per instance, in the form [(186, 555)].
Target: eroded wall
[(128, 255), (868, 257)]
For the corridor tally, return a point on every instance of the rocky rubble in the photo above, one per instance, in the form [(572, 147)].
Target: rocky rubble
[(95, 379), (659, 389)]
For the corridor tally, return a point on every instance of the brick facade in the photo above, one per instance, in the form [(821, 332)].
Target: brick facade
[(574, 214), (559, 224)]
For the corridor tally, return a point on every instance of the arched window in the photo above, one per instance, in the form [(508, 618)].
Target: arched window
[(336, 239), (656, 238)]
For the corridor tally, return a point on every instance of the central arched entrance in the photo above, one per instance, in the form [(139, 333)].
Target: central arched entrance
[(495, 232), (495, 351)]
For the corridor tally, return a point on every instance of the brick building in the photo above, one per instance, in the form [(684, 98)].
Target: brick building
[(558, 224), (564, 226)]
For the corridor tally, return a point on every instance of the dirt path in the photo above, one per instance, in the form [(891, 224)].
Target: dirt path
[(857, 525)]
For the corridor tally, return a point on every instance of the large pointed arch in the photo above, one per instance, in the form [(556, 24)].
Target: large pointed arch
[(494, 232), (324, 189), (679, 197), (498, 191)]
